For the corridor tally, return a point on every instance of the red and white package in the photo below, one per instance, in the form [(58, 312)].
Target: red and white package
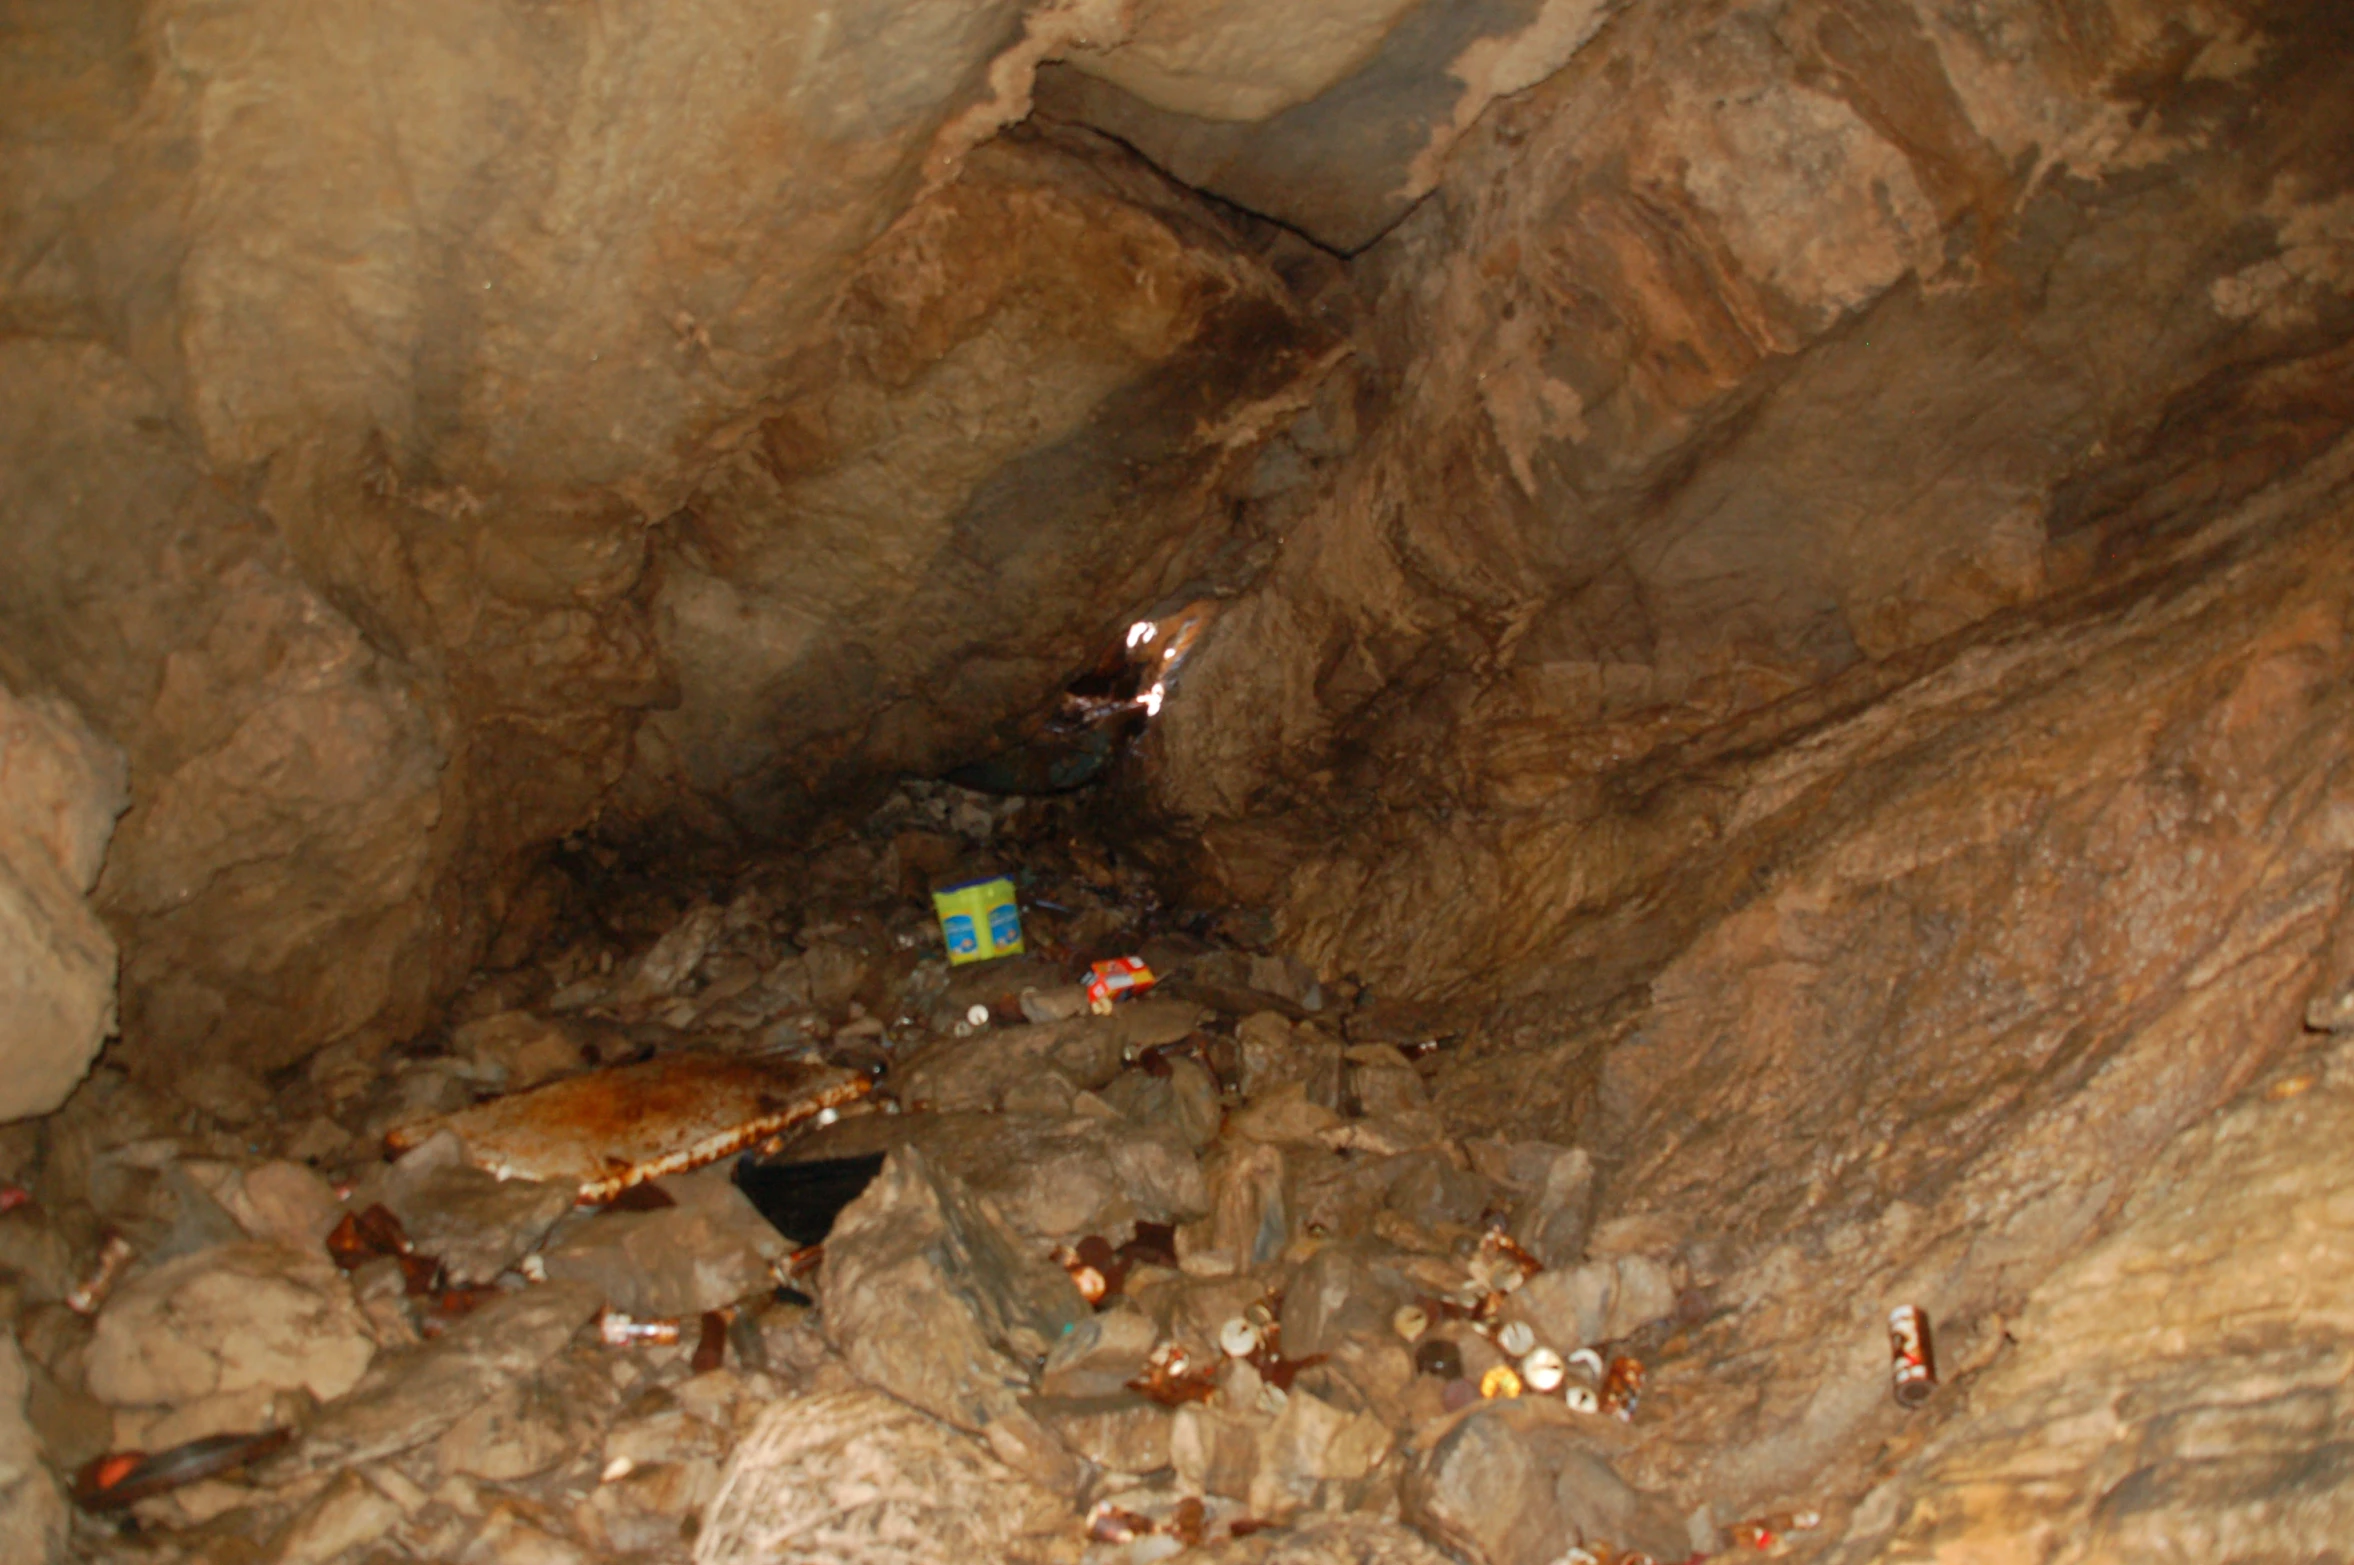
[(1107, 981)]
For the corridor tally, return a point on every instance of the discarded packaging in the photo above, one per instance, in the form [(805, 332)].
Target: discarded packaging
[(1581, 1399), (1768, 1531), (1410, 1322), (625, 1331), (1590, 1362), (613, 1129), (1542, 1370), (1238, 1338), (1439, 1357), (1501, 1381), (1913, 1366), (1515, 1337), (86, 1296), (979, 919), (1121, 976), (977, 1016)]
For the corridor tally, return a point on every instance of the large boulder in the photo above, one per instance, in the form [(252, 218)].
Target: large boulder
[(233, 1318), (61, 788), (930, 1296)]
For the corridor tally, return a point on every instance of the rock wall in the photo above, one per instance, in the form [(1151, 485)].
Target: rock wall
[(395, 412), (1756, 346), (61, 788)]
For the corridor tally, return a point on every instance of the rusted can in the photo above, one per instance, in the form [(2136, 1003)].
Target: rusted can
[(1622, 1389), (1913, 1358), (91, 1292)]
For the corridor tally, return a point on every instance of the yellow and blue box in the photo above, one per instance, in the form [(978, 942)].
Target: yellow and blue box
[(980, 919)]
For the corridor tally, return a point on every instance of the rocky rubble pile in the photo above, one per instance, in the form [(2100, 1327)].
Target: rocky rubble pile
[(1203, 1269)]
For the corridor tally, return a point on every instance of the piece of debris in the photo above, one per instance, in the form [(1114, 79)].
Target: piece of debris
[(612, 1129), (126, 1477)]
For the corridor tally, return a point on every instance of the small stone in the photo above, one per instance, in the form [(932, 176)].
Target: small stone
[(32, 1510), (285, 1202), (1121, 1433), (1311, 1444), (1100, 1355), (410, 1398), (707, 1250), (349, 1512), (251, 1314), (1504, 1487), (931, 1297), (1249, 1224), (1214, 1451), (507, 1538), (476, 1224)]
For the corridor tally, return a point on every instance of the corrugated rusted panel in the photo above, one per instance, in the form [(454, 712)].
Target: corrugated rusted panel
[(613, 1129)]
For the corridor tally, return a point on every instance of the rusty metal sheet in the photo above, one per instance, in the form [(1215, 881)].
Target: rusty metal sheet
[(616, 1128)]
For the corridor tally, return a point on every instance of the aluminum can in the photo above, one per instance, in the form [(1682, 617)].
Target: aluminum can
[(1912, 1356)]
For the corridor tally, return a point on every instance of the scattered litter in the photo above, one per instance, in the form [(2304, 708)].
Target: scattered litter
[(1516, 1337), (87, 1295), (1581, 1399), (1913, 1366), (626, 1331), (14, 1196), (1410, 1321), (1543, 1371), (612, 1129), (1622, 1389), (979, 919), (1500, 1381), (1171, 1378), (1768, 1531), (1096, 1269), (1107, 1523), (123, 1478), (1238, 1338), (711, 1345), (1121, 977)]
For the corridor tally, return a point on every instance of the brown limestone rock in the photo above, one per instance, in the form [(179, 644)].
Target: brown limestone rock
[(61, 788), (236, 1317), (931, 1297)]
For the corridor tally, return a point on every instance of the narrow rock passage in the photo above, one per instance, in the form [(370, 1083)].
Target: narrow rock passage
[(1247, 1261)]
